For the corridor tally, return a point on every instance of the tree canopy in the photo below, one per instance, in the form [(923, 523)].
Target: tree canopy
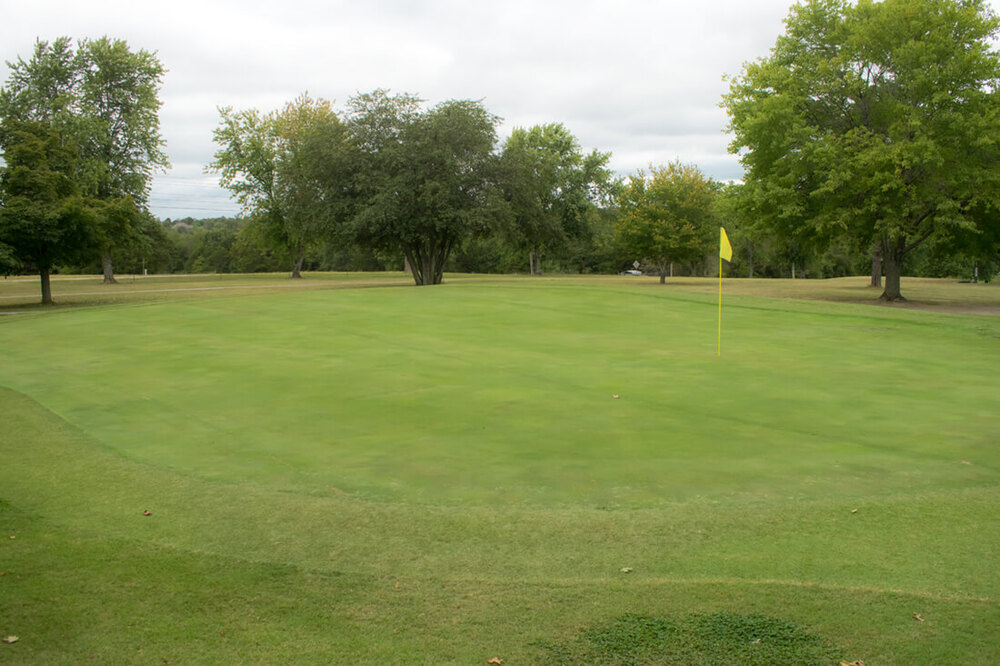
[(878, 121), (549, 185), (427, 177), (103, 98), (43, 219), (287, 169), (666, 215)]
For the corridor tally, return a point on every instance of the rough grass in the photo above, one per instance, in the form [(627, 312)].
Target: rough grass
[(714, 638), (941, 295), (442, 475)]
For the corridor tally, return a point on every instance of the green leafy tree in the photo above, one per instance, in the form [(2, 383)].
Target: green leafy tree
[(8, 260), (119, 100), (875, 120), (314, 173), (45, 87), (147, 250), (549, 185), (43, 219), (426, 177), (971, 255), (745, 237), (283, 168), (104, 98), (667, 217)]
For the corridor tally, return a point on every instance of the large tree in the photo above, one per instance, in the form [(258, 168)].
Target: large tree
[(875, 120), (43, 218), (104, 98), (284, 168), (549, 184), (666, 216), (315, 177), (119, 99), (425, 177)]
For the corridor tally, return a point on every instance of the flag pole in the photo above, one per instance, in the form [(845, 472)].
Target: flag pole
[(725, 252), (720, 305)]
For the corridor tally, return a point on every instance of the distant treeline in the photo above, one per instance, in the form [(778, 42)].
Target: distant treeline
[(229, 245)]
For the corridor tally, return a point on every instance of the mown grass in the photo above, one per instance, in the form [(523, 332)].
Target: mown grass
[(442, 475)]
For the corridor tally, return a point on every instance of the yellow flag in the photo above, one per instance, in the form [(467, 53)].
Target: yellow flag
[(725, 249)]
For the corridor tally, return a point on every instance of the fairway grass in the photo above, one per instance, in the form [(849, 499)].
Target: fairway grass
[(447, 475)]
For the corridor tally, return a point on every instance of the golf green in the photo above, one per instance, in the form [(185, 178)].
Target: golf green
[(491, 468), (493, 395)]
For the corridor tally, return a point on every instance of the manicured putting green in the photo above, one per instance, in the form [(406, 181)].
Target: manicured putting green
[(547, 395)]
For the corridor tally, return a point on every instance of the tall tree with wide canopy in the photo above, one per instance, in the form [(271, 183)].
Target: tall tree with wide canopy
[(43, 218), (879, 120), (549, 184), (284, 168), (666, 216), (104, 98), (426, 177), (119, 98)]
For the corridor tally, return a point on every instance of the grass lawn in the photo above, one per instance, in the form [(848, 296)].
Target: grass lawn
[(544, 471)]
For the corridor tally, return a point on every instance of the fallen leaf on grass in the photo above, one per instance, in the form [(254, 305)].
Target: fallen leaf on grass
[(10, 639), (615, 396), (495, 660), (626, 569), (147, 512), (852, 663), (916, 616), (966, 462), (756, 642), (854, 510)]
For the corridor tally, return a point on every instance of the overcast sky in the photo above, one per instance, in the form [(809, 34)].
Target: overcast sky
[(641, 79)]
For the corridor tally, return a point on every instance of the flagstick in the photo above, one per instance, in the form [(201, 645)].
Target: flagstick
[(720, 305)]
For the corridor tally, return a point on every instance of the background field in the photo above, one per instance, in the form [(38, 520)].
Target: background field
[(343, 474)]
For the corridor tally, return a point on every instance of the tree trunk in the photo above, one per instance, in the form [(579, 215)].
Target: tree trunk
[(109, 271), (441, 251), (442, 257), (429, 269), (535, 261), (877, 268), (892, 262), (411, 266), (300, 256), (427, 262), (793, 270), (46, 287), (750, 257)]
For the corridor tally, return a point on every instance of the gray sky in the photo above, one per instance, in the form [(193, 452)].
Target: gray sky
[(641, 79)]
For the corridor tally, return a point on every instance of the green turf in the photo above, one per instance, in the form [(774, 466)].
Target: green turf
[(443, 475)]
